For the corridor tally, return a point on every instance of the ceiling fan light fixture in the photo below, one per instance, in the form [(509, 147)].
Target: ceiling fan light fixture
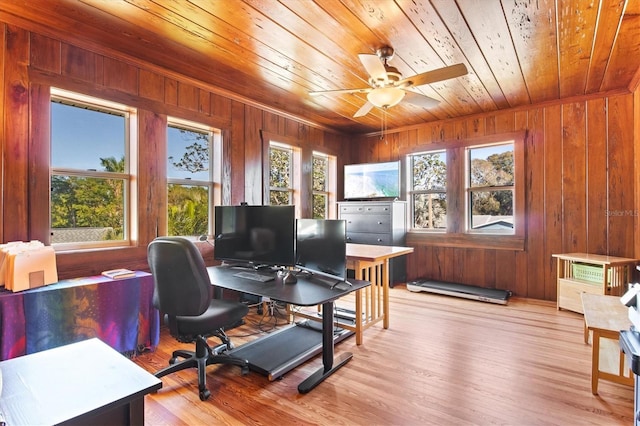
[(385, 97)]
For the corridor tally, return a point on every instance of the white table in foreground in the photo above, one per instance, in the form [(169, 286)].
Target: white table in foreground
[(84, 383)]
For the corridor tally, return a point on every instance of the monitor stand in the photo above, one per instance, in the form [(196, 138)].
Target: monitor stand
[(330, 282)]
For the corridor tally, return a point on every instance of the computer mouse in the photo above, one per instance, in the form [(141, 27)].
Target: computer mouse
[(289, 278)]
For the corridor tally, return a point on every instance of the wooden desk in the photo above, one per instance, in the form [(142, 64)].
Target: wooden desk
[(82, 383), (370, 263), (605, 316), (579, 273)]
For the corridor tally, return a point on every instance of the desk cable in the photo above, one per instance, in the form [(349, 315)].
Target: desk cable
[(268, 321)]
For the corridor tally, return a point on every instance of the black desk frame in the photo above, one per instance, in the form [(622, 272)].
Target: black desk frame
[(330, 364), (306, 292)]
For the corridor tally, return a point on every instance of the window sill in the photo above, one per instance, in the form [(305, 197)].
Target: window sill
[(495, 242), (91, 246)]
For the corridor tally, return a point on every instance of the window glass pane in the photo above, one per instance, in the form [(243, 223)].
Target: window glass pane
[(188, 208), (319, 206), (492, 210), (86, 209), (279, 198), (83, 138), (491, 166), (280, 168), (319, 181), (429, 171), (430, 211), (188, 154)]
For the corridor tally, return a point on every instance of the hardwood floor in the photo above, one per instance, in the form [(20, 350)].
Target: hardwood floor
[(443, 361)]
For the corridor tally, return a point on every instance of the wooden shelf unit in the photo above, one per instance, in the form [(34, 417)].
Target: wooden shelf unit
[(615, 275)]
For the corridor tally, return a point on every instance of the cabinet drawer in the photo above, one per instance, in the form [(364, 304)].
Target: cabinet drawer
[(366, 208), (351, 208), (569, 292), (375, 239), (367, 223)]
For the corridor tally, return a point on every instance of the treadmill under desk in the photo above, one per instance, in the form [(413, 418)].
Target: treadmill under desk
[(283, 350)]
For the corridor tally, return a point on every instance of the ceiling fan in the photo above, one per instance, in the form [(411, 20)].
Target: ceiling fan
[(388, 87)]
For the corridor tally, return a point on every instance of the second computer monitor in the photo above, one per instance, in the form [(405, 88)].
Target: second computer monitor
[(321, 247)]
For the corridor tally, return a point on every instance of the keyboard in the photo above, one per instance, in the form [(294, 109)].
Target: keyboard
[(254, 276)]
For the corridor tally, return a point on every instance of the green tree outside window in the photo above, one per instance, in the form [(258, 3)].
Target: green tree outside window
[(189, 174)]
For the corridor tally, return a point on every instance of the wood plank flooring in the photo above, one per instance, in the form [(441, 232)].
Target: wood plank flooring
[(443, 361)]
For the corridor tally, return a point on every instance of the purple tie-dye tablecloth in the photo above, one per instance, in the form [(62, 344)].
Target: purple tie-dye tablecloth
[(118, 312)]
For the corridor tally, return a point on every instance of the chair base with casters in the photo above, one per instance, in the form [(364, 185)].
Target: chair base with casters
[(204, 355)]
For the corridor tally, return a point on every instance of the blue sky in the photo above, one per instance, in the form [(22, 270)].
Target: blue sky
[(80, 137)]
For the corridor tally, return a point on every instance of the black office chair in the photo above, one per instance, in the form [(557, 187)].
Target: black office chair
[(183, 293)]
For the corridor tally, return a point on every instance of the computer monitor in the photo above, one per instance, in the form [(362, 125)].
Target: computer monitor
[(255, 235), (321, 247)]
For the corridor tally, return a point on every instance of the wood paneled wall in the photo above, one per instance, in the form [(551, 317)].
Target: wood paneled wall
[(579, 190), (581, 178), (31, 63)]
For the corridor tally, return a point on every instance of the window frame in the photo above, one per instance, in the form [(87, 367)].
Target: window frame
[(214, 183), (480, 189), (294, 186), (411, 192), (128, 176), (302, 170), (457, 233), (330, 183)]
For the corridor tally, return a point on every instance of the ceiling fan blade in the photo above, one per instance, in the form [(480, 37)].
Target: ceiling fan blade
[(420, 100), (428, 77), (364, 110), (373, 66), (340, 91)]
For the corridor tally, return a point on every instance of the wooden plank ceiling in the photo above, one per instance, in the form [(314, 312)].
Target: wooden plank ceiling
[(274, 52)]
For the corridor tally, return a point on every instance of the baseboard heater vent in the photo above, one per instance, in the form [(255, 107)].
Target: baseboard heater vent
[(465, 291)]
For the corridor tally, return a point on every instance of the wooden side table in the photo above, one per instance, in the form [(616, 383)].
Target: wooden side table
[(605, 316), (590, 273)]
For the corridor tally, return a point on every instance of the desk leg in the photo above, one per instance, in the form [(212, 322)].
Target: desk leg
[(358, 320), (385, 293), (586, 333), (595, 361), (328, 365), (136, 411)]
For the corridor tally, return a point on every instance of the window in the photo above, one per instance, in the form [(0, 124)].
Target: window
[(190, 178), (287, 179), (428, 194), (320, 186), (281, 174), (90, 170), (468, 193), (490, 188)]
